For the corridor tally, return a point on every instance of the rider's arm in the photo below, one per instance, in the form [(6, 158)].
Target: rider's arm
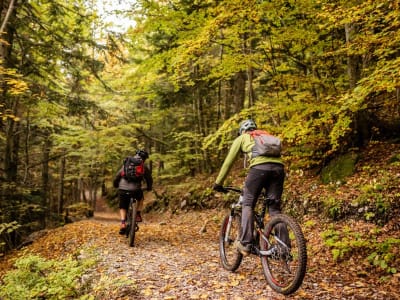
[(117, 178), (229, 160), (148, 178)]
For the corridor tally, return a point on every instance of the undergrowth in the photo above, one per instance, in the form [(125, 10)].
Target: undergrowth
[(346, 242), (34, 277)]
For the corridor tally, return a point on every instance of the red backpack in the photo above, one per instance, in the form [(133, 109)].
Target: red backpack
[(133, 168)]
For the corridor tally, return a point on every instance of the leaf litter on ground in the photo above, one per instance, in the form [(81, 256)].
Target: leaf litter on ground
[(174, 259)]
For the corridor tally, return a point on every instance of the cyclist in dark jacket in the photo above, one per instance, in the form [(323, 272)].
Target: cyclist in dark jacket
[(127, 189), (264, 172)]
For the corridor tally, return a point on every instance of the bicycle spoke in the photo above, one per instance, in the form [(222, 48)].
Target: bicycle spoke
[(284, 265), (230, 231)]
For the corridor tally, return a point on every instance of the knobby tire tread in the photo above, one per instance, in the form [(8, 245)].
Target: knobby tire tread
[(229, 261), (132, 229), (302, 252)]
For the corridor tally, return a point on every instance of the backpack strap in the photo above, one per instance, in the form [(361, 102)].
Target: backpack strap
[(258, 132)]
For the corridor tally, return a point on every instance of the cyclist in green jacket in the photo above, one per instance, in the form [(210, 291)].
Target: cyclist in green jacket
[(264, 172)]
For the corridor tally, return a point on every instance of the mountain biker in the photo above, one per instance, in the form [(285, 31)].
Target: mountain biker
[(127, 190), (264, 172)]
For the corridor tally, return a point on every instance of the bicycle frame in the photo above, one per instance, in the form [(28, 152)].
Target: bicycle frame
[(283, 254), (259, 223)]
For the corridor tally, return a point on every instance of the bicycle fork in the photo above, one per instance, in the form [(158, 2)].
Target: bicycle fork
[(228, 226)]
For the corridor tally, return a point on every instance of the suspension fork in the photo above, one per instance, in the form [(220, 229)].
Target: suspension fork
[(229, 225)]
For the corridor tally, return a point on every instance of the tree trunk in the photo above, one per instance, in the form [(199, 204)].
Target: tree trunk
[(251, 93), (11, 151), (45, 179), (354, 72), (60, 206), (10, 158), (353, 61), (239, 91)]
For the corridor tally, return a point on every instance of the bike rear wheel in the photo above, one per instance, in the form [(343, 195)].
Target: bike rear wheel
[(230, 232), (132, 223), (285, 265)]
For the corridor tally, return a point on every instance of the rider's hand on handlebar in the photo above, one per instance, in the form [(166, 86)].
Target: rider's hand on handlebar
[(217, 187)]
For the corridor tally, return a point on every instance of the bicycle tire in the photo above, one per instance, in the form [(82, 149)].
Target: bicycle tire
[(229, 256), (285, 269), (132, 222), (128, 221)]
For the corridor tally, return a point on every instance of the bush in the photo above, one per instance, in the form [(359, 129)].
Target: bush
[(37, 278), (379, 253)]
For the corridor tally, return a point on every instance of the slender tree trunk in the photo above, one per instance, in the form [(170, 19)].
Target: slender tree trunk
[(26, 147), (361, 123), (353, 61), (60, 206), (10, 158), (227, 96), (251, 93), (239, 91), (45, 178)]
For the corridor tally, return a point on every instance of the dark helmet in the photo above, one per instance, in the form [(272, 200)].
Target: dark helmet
[(247, 125), (143, 154)]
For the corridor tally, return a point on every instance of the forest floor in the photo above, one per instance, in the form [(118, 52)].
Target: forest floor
[(176, 257), (176, 254)]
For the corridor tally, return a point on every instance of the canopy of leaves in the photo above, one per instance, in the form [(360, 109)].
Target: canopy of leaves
[(76, 99)]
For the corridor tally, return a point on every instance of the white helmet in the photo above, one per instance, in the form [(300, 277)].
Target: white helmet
[(247, 125)]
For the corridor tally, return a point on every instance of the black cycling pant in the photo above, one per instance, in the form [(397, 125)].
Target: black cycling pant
[(269, 176), (125, 197)]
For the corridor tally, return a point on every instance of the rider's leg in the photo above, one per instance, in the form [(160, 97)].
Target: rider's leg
[(251, 191), (124, 199), (122, 213), (139, 195), (274, 190)]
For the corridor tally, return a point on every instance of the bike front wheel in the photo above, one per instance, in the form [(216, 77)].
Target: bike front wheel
[(132, 221), (284, 254), (230, 232)]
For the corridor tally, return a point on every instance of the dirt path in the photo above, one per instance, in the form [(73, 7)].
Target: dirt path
[(175, 258)]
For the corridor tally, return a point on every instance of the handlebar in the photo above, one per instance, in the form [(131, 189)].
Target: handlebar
[(226, 189)]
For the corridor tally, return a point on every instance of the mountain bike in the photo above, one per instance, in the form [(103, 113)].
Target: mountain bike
[(131, 224), (279, 243)]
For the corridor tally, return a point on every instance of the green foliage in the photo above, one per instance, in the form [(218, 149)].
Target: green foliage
[(79, 210), (179, 82), (377, 198), (6, 231), (385, 257), (106, 286), (347, 242), (37, 278), (333, 208), (339, 168), (308, 224)]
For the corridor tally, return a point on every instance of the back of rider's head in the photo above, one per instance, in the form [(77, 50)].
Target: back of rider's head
[(247, 125), (143, 154)]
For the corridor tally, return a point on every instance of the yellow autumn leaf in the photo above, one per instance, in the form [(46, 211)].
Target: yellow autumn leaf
[(234, 283), (147, 292)]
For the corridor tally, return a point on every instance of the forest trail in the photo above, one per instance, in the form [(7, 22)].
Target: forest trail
[(176, 257)]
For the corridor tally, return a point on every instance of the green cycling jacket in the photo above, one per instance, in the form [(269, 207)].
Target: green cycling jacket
[(243, 144)]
